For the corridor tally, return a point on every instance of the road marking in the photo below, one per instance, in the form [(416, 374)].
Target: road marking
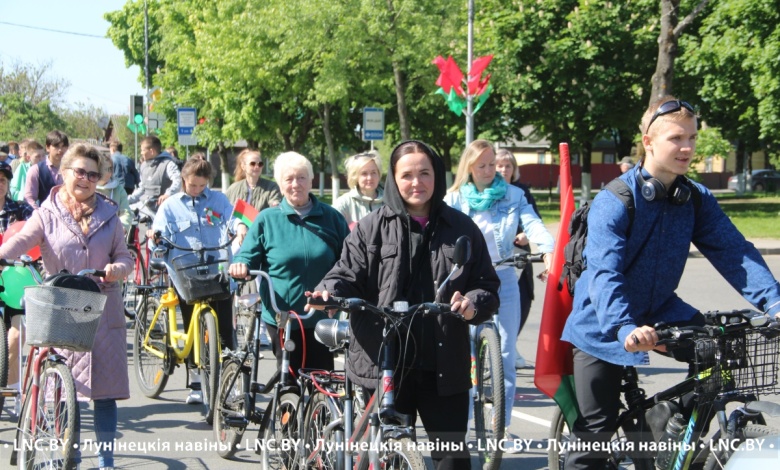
[(517, 414)]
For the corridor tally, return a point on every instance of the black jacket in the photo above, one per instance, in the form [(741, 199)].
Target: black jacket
[(375, 266)]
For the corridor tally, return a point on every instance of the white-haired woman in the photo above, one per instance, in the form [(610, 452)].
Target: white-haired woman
[(365, 194), (296, 243)]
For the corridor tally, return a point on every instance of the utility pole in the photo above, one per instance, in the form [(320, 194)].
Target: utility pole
[(146, 58), (469, 98)]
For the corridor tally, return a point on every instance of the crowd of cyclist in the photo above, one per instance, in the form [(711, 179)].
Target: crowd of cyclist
[(381, 243)]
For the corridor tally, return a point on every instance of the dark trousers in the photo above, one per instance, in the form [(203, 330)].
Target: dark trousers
[(597, 385), (318, 356), (224, 311), (445, 418)]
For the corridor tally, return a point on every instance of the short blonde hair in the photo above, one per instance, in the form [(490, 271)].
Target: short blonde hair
[(506, 155), (355, 164), (291, 161), (470, 155), (677, 116)]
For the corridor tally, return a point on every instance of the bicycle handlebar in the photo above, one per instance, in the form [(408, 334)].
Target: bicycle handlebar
[(167, 241), (519, 259), (356, 304), (718, 324)]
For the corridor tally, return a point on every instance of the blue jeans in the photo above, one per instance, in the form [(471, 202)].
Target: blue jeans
[(105, 431)]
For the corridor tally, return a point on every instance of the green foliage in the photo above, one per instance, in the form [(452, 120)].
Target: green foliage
[(711, 143), (20, 119)]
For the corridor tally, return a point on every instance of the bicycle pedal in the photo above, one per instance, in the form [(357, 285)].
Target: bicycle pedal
[(236, 421)]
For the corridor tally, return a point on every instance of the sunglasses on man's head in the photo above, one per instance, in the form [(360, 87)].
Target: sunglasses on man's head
[(668, 108), (92, 176)]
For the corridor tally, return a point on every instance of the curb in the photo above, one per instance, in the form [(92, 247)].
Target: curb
[(762, 251)]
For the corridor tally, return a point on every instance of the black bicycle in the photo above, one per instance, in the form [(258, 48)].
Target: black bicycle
[(735, 360)]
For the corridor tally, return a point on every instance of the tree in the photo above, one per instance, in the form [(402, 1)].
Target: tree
[(732, 64), (83, 121), (573, 70), (21, 119), (668, 38)]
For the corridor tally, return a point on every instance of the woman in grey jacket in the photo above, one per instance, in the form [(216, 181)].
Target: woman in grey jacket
[(403, 251)]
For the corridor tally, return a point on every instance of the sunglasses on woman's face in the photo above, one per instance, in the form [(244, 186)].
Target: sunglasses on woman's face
[(92, 176), (254, 164)]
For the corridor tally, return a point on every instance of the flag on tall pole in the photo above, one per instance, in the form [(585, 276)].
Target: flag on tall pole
[(554, 367)]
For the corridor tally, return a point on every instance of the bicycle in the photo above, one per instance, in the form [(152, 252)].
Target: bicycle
[(488, 395), (383, 437), (156, 348), (736, 359), (140, 274), (13, 280), (49, 423)]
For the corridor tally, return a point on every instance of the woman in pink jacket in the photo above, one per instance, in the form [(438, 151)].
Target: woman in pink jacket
[(79, 229)]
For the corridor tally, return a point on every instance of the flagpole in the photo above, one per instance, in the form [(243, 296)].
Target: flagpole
[(469, 98)]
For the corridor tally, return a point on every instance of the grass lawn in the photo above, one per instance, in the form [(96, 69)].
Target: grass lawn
[(755, 215)]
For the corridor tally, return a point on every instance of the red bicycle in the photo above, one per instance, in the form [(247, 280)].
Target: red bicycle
[(140, 275), (56, 317)]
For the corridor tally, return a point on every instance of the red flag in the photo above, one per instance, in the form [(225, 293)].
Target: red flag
[(478, 66), (245, 212), (554, 367), (450, 75)]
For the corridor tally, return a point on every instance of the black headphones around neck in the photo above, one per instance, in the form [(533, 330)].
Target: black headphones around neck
[(654, 190)]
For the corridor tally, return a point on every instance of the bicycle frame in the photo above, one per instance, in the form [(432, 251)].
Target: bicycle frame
[(168, 303)]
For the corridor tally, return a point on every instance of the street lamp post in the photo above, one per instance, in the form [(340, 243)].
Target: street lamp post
[(469, 98)]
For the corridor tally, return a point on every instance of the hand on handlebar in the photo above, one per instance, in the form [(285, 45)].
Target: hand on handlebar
[(642, 338), (324, 295), (239, 271), (463, 306), (112, 273)]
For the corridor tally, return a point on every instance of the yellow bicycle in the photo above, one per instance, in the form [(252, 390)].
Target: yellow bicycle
[(159, 346)]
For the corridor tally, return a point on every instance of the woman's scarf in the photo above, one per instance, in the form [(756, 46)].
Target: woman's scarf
[(80, 211), (481, 201)]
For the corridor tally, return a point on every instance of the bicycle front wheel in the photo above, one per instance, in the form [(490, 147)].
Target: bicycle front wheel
[(130, 293), (209, 361), (56, 420), (721, 454), (489, 399), (559, 437), (324, 448), (151, 370), (229, 403), (3, 359), (402, 454), (280, 432)]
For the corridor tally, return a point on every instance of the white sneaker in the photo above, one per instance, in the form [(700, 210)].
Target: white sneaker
[(195, 397), (509, 443), (520, 362)]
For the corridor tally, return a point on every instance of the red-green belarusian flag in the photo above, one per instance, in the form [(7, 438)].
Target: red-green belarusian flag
[(245, 212), (554, 374)]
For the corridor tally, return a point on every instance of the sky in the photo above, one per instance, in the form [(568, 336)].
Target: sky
[(94, 67)]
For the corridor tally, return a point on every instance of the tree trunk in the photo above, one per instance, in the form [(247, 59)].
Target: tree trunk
[(325, 116), (667, 50), (400, 94), (587, 152), (223, 163)]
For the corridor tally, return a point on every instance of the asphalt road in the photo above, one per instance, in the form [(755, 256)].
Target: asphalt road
[(166, 433)]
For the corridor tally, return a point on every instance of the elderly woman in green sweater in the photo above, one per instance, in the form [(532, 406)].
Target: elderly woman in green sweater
[(296, 243)]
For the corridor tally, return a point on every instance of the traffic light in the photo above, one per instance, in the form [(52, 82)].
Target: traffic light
[(137, 105)]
